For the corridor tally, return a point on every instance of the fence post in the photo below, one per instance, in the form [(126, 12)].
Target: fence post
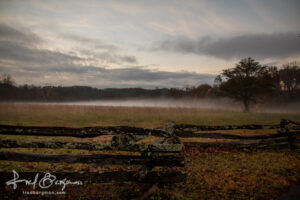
[(284, 128)]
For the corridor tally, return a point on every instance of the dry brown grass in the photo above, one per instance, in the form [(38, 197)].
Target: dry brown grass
[(221, 175)]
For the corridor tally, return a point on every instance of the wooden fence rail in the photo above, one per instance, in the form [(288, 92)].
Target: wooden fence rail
[(167, 148), (85, 132), (96, 159)]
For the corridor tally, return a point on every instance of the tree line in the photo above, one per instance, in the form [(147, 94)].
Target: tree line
[(11, 92), (248, 82)]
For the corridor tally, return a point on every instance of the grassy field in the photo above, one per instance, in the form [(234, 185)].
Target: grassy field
[(211, 173), (79, 116)]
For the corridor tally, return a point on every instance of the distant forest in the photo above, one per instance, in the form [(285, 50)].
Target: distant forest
[(248, 81), (11, 92)]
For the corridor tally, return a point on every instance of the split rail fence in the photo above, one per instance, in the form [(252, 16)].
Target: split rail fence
[(165, 151)]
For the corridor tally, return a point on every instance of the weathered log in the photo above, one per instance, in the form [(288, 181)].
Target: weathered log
[(291, 122), (102, 177), (85, 132), (237, 146), (230, 136), (91, 146), (296, 128), (53, 145), (119, 141), (150, 191), (193, 128), (245, 143), (95, 159), (180, 130)]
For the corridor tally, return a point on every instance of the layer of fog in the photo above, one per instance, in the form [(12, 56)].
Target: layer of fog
[(210, 104), (164, 103)]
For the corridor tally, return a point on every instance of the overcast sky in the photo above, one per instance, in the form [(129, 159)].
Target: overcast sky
[(142, 43)]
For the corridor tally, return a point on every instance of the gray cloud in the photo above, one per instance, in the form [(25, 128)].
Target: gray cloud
[(27, 63), (23, 46), (112, 58), (8, 33), (142, 74), (137, 74), (20, 53), (101, 50), (104, 77), (129, 59), (97, 44), (276, 45)]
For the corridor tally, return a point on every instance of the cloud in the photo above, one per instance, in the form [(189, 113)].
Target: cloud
[(20, 53), (24, 37), (113, 58), (28, 63), (273, 45), (107, 57), (144, 74), (129, 59), (103, 77), (101, 50), (23, 46), (126, 7), (98, 44)]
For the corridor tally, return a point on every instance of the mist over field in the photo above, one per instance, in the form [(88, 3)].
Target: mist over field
[(164, 103), (205, 104)]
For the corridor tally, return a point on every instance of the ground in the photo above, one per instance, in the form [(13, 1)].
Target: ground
[(211, 173)]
